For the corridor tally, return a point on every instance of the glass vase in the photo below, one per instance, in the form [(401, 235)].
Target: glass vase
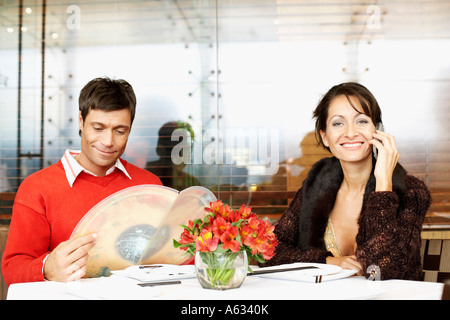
[(221, 270)]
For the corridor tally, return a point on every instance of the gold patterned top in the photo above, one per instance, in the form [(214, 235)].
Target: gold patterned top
[(330, 240)]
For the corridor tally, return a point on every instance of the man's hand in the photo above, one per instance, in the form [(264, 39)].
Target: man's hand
[(67, 262)]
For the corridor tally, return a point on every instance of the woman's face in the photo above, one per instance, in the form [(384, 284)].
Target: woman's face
[(347, 130)]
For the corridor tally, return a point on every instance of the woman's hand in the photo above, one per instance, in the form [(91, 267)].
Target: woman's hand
[(346, 262), (387, 159)]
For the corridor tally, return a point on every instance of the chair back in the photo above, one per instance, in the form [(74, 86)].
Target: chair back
[(446, 291)]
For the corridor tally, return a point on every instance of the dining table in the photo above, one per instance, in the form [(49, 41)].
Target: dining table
[(264, 287)]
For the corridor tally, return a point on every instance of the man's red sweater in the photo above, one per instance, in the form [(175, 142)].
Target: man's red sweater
[(47, 209)]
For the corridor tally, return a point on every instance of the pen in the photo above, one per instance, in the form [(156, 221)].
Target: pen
[(151, 266), (262, 271), (158, 283)]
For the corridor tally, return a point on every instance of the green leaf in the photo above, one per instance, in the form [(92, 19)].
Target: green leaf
[(237, 223), (176, 244), (220, 249), (259, 258)]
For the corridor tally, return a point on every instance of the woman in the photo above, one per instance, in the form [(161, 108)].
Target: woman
[(355, 210)]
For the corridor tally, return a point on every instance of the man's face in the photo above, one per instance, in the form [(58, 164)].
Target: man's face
[(103, 139)]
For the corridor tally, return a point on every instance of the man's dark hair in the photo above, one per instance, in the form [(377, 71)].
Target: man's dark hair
[(107, 95)]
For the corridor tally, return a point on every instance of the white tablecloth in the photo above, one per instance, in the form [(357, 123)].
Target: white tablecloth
[(253, 288)]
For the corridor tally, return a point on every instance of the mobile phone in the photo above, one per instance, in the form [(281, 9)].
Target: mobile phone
[(380, 127)]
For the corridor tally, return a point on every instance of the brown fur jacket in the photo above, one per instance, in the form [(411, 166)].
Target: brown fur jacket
[(390, 223)]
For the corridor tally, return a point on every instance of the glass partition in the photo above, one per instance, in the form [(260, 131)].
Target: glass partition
[(225, 88)]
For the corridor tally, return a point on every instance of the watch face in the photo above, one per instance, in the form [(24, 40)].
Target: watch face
[(136, 226)]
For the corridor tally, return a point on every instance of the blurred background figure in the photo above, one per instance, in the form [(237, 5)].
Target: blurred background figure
[(171, 174)]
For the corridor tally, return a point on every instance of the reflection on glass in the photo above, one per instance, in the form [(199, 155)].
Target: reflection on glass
[(244, 76)]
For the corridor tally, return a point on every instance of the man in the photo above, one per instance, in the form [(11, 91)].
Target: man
[(50, 203)]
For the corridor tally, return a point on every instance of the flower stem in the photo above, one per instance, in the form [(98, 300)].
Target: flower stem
[(220, 267)]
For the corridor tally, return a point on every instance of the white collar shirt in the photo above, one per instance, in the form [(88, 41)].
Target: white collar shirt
[(72, 168)]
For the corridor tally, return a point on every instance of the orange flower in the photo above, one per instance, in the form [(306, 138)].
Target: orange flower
[(186, 238), (270, 252), (228, 239), (227, 229), (254, 222), (244, 213), (218, 208), (206, 242), (219, 226), (268, 230), (190, 232), (261, 245), (247, 236)]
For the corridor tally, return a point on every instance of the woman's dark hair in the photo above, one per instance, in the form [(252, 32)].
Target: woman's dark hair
[(349, 89), (107, 95)]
